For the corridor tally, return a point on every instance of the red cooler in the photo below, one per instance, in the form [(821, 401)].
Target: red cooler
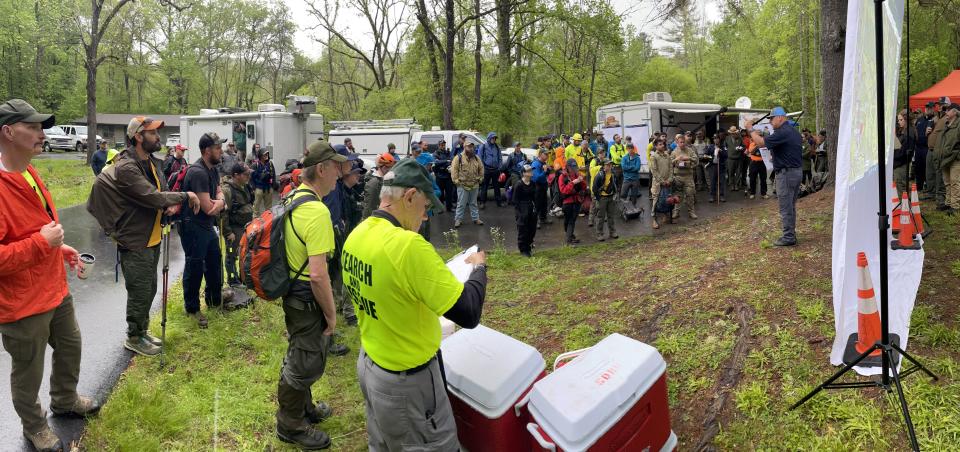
[(612, 397), (488, 373)]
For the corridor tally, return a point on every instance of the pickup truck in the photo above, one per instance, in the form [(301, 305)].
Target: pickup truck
[(77, 138), (56, 138)]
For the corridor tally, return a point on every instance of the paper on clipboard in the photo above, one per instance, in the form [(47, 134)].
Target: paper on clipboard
[(459, 266)]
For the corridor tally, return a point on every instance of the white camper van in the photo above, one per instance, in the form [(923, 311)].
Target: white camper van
[(640, 119), (286, 131), (371, 137)]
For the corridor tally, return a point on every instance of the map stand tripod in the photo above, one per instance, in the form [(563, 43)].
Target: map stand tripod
[(889, 378)]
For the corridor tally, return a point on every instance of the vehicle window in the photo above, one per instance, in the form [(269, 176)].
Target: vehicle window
[(432, 141), (251, 132), (55, 130), (81, 130)]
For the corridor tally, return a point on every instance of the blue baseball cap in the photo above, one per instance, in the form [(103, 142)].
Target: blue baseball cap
[(778, 111)]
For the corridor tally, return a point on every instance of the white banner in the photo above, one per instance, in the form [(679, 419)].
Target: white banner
[(640, 134), (855, 206)]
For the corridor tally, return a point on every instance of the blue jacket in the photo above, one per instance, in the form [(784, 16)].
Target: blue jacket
[(515, 163), (539, 172), (263, 175), (631, 167), (335, 201), (490, 154), (922, 124), (98, 161)]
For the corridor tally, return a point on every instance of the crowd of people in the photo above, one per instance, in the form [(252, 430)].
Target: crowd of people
[(927, 152), (357, 246)]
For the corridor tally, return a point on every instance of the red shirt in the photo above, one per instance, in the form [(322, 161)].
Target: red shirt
[(32, 275)]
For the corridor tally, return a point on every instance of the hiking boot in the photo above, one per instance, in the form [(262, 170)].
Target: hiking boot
[(44, 440), (784, 242), (655, 224), (457, 224), (141, 346), (153, 339), (614, 235), (539, 223), (200, 318), (713, 200), (316, 414), (338, 349), (766, 196), (600, 238), (722, 199), (84, 407), (693, 216), (478, 222), (307, 439), (753, 196)]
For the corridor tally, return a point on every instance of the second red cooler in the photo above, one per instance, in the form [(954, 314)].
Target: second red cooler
[(488, 373)]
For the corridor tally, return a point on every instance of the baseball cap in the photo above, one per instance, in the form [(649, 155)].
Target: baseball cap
[(409, 173), (180, 147), (239, 168), (385, 159), (778, 111), (572, 163), (442, 141), (321, 151), (357, 167), (931, 103), (391, 146), (209, 139), (141, 123), (18, 110), (414, 146), (944, 100)]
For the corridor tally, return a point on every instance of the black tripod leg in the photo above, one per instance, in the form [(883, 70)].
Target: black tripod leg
[(914, 361), (837, 375), (903, 402)]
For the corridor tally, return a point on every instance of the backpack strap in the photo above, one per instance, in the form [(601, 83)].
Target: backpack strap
[(293, 205)]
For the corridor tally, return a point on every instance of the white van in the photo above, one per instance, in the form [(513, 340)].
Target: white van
[(451, 137), (370, 138), (285, 131)]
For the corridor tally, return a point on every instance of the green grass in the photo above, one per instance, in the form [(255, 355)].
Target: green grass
[(69, 181), (219, 389)]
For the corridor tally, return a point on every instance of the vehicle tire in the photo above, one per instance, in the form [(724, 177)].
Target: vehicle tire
[(79, 147), (46, 147)]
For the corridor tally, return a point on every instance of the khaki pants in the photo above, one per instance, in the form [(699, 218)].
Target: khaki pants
[(951, 178), (262, 201), (26, 341), (688, 196)]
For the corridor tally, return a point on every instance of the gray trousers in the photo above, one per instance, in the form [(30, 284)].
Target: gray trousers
[(606, 213), (406, 412), (788, 188), (26, 341), (140, 278)]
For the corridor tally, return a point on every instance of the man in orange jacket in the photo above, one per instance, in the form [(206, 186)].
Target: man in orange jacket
[(36, 307)]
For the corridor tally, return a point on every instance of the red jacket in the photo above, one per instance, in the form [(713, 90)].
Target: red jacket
[(32, 275), (572, 193)]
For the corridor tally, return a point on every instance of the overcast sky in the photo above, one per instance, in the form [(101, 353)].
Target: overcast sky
[(639, 16)]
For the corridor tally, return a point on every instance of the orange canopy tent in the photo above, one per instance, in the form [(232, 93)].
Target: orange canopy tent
[(949, 86)]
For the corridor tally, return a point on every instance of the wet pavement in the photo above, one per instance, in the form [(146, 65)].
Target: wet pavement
[(552, 235), (100, 305)]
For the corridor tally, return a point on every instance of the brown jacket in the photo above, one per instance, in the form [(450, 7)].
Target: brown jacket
[(934, 138), (125, 200), (661, 167), (466, 172)]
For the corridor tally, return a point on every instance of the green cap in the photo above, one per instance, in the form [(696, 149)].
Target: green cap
[(409, 173), (18, 110), (319, 152)]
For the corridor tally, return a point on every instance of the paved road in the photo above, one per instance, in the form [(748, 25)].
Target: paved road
[(100, 308), (552, 235)]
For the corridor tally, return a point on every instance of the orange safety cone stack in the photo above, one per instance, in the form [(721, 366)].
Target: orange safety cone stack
[(915, 209), (895, 215), (868, 318), (905, 240)]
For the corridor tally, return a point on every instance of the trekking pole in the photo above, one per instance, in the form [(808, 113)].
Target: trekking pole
[(165, 239)]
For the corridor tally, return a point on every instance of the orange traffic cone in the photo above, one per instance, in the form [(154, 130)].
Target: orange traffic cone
[(868, 319), (915, 209), (905, 239), (895, 215)]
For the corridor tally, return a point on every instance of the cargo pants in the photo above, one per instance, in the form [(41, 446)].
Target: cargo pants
[(688, 196), (26, 341), (951, 178), (406, 411), (139, 269), (306, 357), (607, 211)]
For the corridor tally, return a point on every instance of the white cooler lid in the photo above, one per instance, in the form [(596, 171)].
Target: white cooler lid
[(582, 400), (489, 370)]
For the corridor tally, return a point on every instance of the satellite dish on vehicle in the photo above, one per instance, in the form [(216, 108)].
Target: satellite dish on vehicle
[(743, 102)]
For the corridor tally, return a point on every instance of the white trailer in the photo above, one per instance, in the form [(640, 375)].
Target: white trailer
[(286, 132), (371, 137), (640, 119)]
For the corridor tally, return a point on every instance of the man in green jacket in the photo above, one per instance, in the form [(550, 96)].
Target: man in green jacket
[(949, 149), (239, 211)]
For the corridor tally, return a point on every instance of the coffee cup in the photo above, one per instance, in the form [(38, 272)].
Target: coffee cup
[(86, 265)]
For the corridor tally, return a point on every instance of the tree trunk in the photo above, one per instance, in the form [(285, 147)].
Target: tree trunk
[(503, 36), (833, 20), (450, 33), (478, 67), (91, 66)]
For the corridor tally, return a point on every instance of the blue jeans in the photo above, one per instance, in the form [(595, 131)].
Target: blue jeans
[(201, 248), (467, 197), (788, 188)]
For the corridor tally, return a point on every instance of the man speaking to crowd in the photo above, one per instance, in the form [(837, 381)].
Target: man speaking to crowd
[(785, 147), (400, 286)]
